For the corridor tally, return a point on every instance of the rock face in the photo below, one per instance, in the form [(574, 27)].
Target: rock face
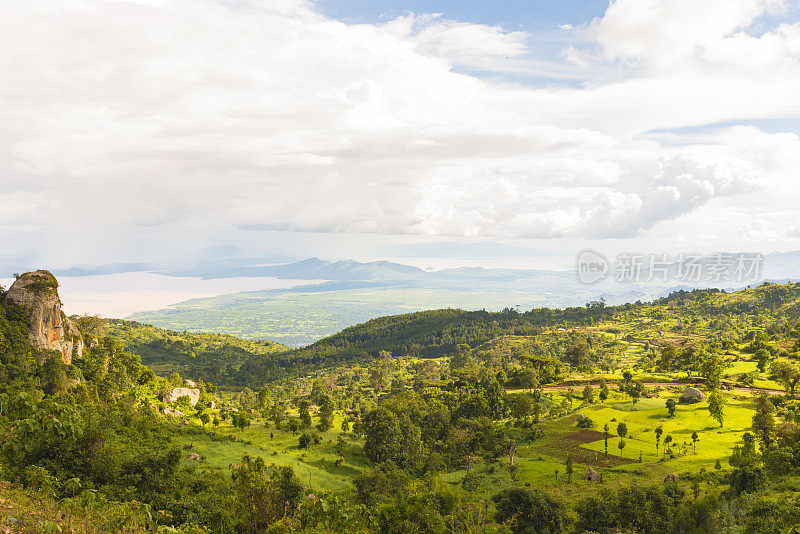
[(176, 393), (37, 293), (692, 395)]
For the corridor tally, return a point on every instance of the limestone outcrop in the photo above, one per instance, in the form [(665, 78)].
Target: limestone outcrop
[(37, 293)]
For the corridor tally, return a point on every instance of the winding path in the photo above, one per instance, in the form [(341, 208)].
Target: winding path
[(595, 384)]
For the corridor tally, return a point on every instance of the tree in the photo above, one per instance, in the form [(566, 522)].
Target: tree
[(787, 374), (247, 400), (204, 418), (605, 436), (711, 368), (667, 443), (521, 405), (627, 376), (634, 390), (294, 425), (263, 400), (326, 408), (462, 358), (716, 407), (659, 431), (568, 468), (91, 324), (54, 376), (241, 420), (762, 357), (764, 421), (305, 440), (305, 415), (175, 379), (588, 394), (603, 390), (668, 359), (671, 405), (748, 479), (695, 439), (278, 415), (570, 396), (383, 435), (620, 446), (263, 495), (530, 511), (622, 430)]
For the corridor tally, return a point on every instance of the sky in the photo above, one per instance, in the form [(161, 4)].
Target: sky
[(162, 130)]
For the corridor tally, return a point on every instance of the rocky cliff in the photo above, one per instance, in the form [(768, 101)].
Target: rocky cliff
[(37, 293)]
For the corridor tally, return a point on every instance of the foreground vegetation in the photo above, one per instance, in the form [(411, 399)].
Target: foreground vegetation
[(572, 420)]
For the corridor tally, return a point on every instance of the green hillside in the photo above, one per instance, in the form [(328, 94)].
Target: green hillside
[(572, 420), (683, 319), (210, 357)]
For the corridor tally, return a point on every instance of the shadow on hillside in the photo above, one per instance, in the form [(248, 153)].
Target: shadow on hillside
[(342, 470)]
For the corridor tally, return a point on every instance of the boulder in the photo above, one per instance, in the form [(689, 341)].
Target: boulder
[(672, 477), (591, 474), (37, 293), (173, 412), (176, 393), (193, 456), (189, 383), (212, 405), (692, 395)]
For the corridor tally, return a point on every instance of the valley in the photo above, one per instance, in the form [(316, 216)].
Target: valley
[(455, 414)]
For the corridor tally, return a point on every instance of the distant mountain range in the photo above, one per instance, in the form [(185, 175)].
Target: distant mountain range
[(351, 270), (777, 266)]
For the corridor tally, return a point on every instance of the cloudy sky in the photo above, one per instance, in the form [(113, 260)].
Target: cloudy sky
[(148, 130)]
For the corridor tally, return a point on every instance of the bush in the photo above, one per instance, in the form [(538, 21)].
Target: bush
[(530, 510), (747, 480), (471, 482), (305, 440), (585, 422)]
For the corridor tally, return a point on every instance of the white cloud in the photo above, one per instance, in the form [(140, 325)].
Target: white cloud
[(661, 32), (459, 43), (168, 122)]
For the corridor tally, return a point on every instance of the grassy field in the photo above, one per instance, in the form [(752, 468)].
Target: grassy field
[(539, 461), (316, 466)]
